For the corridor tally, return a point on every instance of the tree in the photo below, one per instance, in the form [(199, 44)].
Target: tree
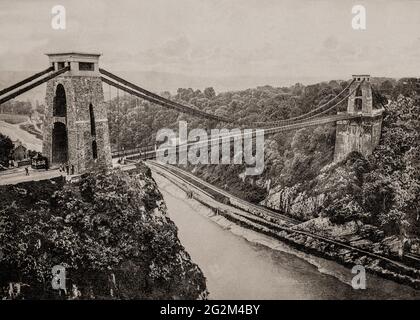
[(209, 93), (392, 189), (297, 89), (386, 87), (109, 225), (6, 147), (40, 108)]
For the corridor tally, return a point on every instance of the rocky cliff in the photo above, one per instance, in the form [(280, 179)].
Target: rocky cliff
[(110, 231), (381, 189)]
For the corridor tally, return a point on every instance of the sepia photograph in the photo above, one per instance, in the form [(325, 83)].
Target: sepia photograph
[(226, 152)]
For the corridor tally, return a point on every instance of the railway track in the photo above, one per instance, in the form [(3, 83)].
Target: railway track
[(182, 174), (232, 199)]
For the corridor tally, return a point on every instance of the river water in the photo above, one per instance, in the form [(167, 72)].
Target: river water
[(241, 264)]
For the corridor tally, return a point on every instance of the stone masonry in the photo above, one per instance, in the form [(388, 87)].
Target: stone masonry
[(360, 134), (82, 88)]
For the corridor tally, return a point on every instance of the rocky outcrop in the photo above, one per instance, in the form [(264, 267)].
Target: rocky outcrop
[(110, 231), (294, 202), (309, 199)]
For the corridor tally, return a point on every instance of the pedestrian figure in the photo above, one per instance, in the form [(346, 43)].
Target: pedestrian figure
[(72, 169), (26, 171), (67, 169)]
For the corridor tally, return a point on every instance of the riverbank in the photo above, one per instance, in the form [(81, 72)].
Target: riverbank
[(305, 244), (239, 263)]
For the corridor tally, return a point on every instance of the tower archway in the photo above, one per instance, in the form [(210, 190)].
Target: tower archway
[(59, 143), (358, 102), (92, 121), (60, 103), (94, 150)]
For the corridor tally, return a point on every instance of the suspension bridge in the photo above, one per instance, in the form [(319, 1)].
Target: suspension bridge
[(76, 123), (76, 130)]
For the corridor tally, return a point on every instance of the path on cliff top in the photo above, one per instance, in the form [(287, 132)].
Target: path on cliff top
[(14, 132)]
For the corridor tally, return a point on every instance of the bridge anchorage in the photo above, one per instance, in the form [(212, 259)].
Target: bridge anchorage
[(361, 133), (76, 125)]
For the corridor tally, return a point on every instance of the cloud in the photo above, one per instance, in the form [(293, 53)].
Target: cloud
[(280, 38)]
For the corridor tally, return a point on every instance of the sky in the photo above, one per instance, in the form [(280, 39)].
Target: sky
[(238, 39)]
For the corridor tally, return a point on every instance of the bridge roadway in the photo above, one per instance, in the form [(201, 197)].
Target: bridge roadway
[(252, 219), (14, 176), (293, 126)]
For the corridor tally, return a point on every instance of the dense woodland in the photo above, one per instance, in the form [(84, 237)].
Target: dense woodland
[(59, 223), (20, 107), (382, 190)]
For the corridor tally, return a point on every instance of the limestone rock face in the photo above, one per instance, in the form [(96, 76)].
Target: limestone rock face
[(294, 202), (308, 200), (361, 135)]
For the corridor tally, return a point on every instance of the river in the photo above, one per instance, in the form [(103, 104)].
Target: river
[(242, 264)]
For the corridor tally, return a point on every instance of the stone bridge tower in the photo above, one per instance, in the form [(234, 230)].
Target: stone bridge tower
[(76, 125), (362, 132)]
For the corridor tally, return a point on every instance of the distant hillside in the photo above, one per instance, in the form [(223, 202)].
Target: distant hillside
[(162, 81), (165, 81)]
